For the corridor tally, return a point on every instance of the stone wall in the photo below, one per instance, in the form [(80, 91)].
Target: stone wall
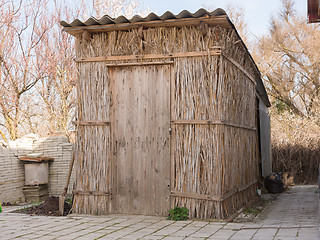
[(12, 170)]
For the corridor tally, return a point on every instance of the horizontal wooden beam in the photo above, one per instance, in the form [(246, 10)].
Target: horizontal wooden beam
[(213, 122), (238, 125), (91, 123), (211, 21), (239, 189), (212, 197), (36, 159), (149, 56), (195, 196), (236, 64), (94, 193), (138, 64), (194, 121)]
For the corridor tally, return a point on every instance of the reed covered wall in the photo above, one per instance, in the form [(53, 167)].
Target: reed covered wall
[(213, 135)]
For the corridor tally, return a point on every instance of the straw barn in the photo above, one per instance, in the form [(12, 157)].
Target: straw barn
[(171, 112)]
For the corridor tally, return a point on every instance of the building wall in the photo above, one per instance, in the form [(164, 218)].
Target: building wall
[(12, 169), (265, 139), (213, 131)]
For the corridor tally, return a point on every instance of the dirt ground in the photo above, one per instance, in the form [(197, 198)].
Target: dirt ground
[(50, 207)]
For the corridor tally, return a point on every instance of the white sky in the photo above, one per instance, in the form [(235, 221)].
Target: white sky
[(257, 12)]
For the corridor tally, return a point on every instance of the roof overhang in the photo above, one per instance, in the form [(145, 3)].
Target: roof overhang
[(210, 20)]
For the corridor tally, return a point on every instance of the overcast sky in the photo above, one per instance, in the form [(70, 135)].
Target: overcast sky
[(257, 12)]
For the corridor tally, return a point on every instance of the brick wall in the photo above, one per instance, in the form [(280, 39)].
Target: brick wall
[(12, 170)]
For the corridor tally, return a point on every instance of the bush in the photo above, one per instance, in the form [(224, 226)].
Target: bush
[(178, 214)]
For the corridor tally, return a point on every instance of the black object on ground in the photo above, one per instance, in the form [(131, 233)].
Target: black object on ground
[(274, 183)]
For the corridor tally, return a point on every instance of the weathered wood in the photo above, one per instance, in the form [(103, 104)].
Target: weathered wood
[(235, 63), (92, 147), (172, 136), (211, 21), (138, 64), (212, 197), (238, 125), (63, 195), (61, 204), (149, 56), (91, 123), (35, 159), (195, 196), (94, 193), (213, 143), (213, 122), (193, 121), (140, 122)]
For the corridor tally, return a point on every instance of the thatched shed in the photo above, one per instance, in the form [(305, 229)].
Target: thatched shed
[(167, 115)]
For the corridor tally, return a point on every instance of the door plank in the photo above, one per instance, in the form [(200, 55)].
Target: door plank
[(140, 135)]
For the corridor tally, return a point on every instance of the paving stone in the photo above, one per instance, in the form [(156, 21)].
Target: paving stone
[(167, 231), (233, 226), (173, 238), (203, 233), (265, 234), (151, 237), (46, 237), (223, 234), (185, 232), (195, 238), (198, 224), (293, 215), (244, 234), (292, 232)]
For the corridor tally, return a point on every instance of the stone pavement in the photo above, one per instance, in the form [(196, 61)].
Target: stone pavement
[(292, 215)]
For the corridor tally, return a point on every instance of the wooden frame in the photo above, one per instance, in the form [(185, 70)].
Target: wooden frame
[(148, 56)]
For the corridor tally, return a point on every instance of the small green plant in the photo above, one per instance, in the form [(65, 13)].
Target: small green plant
[(69, 200), (252, 211), (178, 214)]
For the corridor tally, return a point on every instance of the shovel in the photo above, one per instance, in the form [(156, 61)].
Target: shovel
[(63, 196)]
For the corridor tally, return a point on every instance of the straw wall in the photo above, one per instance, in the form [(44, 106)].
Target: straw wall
[(92, 149), (214, 141), (213, 160)]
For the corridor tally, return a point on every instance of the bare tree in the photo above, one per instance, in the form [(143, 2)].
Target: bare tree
[(56, 90), (289, 59), (23, 26), (37, 71)]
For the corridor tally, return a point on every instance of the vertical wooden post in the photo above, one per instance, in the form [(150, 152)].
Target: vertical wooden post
[(172, 134)]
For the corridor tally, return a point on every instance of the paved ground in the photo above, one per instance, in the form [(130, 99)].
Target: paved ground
[(292, 215)]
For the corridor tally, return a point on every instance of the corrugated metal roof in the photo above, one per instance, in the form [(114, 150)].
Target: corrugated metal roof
[(105, 20)]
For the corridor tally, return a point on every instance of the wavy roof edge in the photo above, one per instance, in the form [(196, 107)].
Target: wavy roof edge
[(106, 19)]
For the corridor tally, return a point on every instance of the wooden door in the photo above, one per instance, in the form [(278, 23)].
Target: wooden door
[(140, 122)]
